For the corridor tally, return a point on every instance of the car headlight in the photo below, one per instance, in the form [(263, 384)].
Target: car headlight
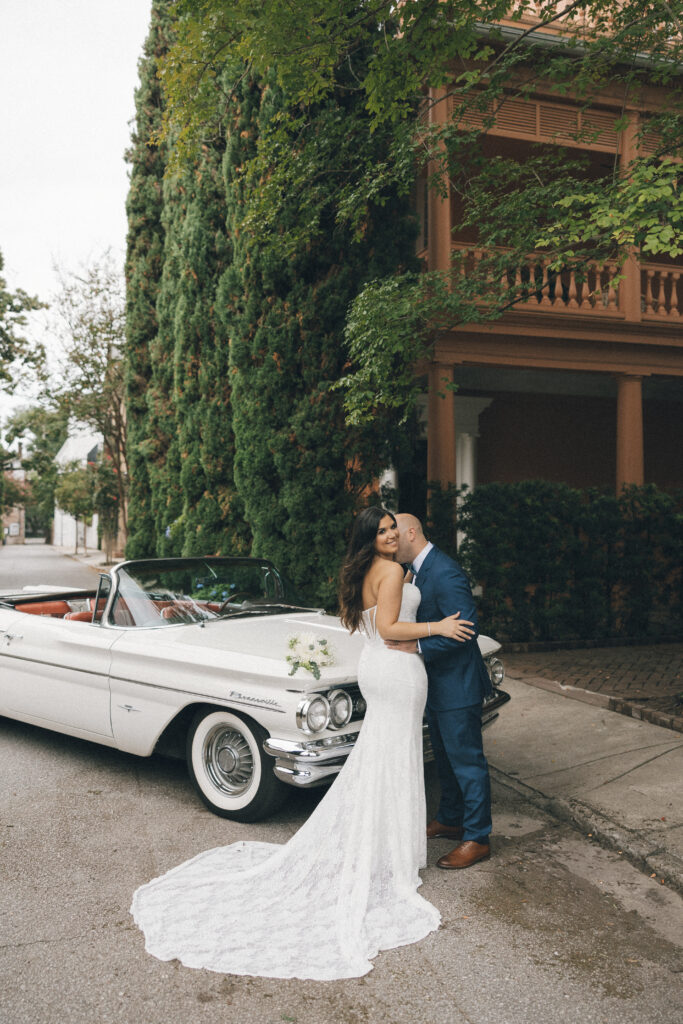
[(496, 671), (341, 708), (313, 714)]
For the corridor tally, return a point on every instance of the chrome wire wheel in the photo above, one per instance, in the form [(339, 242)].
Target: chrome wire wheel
[(228, 766)]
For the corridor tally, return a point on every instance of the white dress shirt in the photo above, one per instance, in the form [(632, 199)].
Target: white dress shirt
[(419, 559), (417, 563)]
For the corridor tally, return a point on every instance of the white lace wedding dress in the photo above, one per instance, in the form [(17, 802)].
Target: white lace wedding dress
[(345, 885)]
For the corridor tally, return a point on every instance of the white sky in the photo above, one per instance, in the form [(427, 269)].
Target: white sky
[(68, 72)]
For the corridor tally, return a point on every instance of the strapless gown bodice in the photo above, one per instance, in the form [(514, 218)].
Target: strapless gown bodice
[(410, 602)]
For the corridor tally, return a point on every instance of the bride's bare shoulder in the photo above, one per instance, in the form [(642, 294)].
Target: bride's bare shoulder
[(383, 571), (389, 571)]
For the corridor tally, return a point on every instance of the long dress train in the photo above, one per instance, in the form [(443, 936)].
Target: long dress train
[(345, 885)]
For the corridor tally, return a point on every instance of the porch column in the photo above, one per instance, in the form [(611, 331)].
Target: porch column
[(630, 287), (467, 413), (466, 459), (439, 199), (440, 425), (630, 461)]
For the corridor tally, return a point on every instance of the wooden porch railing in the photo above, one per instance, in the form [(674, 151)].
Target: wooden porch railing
[(591, 291), (661, 299)]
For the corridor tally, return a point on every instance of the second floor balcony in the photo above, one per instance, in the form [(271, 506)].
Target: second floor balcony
[(639, 291)]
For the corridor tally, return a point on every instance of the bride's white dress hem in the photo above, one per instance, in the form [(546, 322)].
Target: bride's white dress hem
[(344, 887)]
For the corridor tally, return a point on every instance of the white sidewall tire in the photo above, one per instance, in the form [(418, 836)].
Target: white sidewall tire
[(245, 791)]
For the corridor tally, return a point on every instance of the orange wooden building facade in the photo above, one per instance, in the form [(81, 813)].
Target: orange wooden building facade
[(581, 383)]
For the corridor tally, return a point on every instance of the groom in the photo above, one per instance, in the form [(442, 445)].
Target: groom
[(458, 682)]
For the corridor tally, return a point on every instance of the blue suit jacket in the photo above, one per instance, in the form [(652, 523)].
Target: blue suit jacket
[(455, 669)]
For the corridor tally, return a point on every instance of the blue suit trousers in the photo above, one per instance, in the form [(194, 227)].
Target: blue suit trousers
[(463, 770)]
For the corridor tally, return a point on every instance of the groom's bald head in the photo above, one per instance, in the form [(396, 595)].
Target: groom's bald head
[(411, 538)]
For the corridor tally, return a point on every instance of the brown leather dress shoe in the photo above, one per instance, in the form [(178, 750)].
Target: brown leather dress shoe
[(465, 854), (435, 830)]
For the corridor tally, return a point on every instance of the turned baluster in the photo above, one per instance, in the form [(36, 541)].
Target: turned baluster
[(530, 285), (558, 299), (662, 305), (649, 308), (611, 290), (572, 303), (518, 285), (591, 272), (545, 284), (461, 258), (673, 305)]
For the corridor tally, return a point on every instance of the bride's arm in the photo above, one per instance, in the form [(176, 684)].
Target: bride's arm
[(389, 594)]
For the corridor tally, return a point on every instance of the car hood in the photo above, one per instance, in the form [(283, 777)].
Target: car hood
[(256, 647), (266, 638)]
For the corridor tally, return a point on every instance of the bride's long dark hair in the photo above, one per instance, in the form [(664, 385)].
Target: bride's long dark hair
[(359, 556)]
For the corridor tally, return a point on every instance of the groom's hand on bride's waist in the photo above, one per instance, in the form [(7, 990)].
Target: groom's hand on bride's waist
[(407, 646)]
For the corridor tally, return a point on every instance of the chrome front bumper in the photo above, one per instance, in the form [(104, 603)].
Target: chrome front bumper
[(312, 762), (315, 762)]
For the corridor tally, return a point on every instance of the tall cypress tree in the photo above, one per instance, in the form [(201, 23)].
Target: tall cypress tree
[(298, 467), (212, 513), (163, 464), (183, 497), (144, 259)]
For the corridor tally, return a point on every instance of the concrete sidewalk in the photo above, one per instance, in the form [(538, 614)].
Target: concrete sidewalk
[(618, 779), (644, 681), (94, 558)]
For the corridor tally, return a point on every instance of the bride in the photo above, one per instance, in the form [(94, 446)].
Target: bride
[(345, 885)]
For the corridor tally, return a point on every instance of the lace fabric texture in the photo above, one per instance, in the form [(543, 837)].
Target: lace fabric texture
[(345, 885)]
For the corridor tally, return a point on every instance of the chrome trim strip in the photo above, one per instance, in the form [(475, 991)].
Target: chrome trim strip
[(52, 664), (194, 693), (139, 682)]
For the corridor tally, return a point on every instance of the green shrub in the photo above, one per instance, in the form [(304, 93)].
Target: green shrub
[(556, 563)]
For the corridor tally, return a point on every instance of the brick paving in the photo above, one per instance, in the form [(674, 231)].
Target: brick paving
[(642, 681)]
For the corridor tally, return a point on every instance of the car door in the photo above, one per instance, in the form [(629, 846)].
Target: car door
[(55, 673)]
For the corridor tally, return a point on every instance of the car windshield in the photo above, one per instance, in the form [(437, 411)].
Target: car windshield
[(168, 592)]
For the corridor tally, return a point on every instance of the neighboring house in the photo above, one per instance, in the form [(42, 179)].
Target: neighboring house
[(82, 446), (14, 517), (563, 387)]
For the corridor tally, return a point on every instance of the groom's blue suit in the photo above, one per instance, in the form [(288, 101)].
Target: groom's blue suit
[(458, 682)]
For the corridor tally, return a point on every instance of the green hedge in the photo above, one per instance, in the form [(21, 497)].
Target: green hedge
[(556, 563)]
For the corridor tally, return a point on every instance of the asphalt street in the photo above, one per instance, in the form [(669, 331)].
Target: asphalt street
[(554, 928), (24, 565)]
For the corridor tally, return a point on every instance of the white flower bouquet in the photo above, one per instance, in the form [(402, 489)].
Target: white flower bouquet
[(310, 653)]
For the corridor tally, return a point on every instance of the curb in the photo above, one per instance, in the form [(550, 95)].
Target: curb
[(539, 646), (617, 704), (90, 561), (634, 846)]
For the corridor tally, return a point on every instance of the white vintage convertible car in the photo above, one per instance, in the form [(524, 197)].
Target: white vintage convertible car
[(188, 657)]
